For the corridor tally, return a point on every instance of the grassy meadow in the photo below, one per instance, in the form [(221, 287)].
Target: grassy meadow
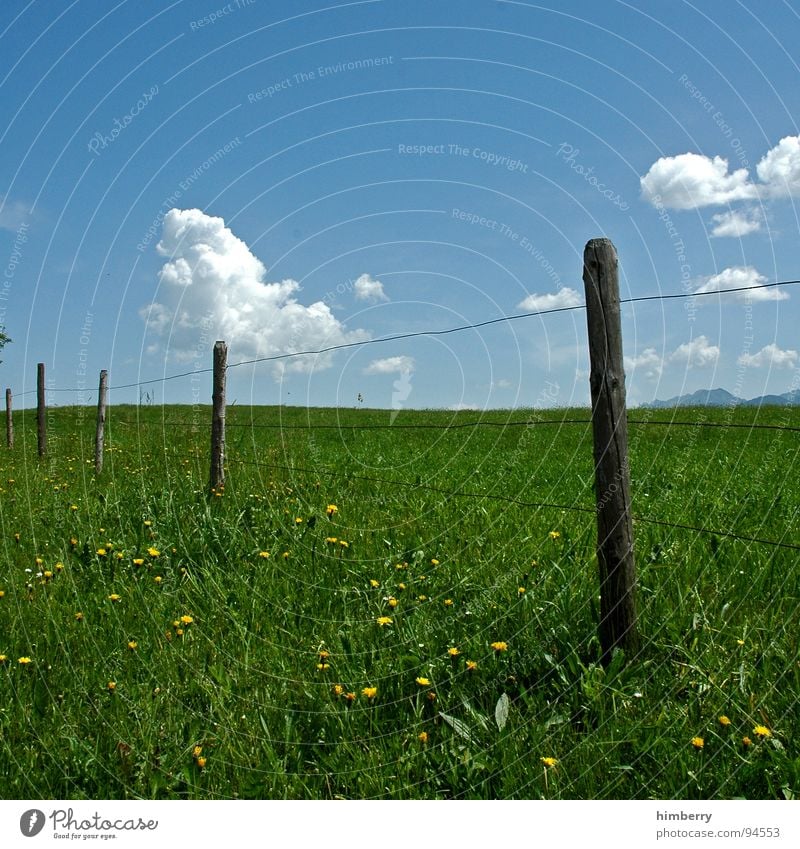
[(337, 623)]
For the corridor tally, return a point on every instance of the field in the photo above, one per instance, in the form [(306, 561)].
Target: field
[(384, 612)]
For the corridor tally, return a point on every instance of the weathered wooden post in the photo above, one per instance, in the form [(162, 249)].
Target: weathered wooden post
[(612, 473), (9, 420), (100, 434), (41, 410), (218, 417)]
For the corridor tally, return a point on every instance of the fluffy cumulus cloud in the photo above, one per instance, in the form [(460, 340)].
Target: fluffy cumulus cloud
[(691, 180), (780, 168), (736, 223), (770, 356), (367, 289), (649, 363), (391, 365), (742, 277), (214, 287), (698, 353), (565, 297)]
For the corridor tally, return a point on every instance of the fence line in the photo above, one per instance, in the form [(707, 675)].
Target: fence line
[(420, 333), (506, 500)]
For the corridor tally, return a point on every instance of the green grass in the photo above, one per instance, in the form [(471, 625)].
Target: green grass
[(719, 616)]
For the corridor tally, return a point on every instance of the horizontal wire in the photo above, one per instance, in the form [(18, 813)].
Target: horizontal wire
[(516, 501), (419, 333)]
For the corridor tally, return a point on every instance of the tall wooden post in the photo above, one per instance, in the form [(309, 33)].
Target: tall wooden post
[(41, 410), (218, 417), (100, 434), (9, 420), (612, 473)]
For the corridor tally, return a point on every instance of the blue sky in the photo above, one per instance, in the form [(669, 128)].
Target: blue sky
[(289, 176)]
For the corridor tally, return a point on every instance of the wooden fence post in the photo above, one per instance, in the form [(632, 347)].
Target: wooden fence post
[(41, 410), (9, 420), (612, 473), (218, 417), (99, 440)]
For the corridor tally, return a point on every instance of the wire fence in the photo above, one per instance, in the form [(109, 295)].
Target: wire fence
[(512, 423)]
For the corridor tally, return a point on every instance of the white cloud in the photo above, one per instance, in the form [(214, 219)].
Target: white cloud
[(780, 168), (213, 287), (391, 365), (12, 214), (770, 356), (367, 289), (503, 383), (565, 297), (648, 362), (742, 276), (736, 224), (690, 180), (697, 353)]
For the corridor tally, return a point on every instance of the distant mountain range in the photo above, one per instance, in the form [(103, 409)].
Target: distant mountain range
[(723, 398)]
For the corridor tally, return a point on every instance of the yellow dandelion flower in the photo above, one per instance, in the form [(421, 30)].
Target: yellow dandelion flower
[(179, 632), (351, 697), (323, 666), (423, 682), (762, 732), (59, 567), (555, 535), (48, 574), (448, 602), (101, 552), (521, 590), (187, 620), (111, 686), (3, 658), (197, 751), (132, 645), (72, 540), (79, 616), (331, 510), (499, 646), (423, 737), (401, 586), (114, 597), (39, 561), (374, 584), (472, 665), (698, 742), (746, 741), (24, 661), (201, 762), (370, 692), (323, 654), (550, 763), (344, 543), (391, 601), (148, 523), (153, 552), (285, 555), (384, 620), (264, 554), (73, 506), (158, 579), (453, 651), (332, 540), (2, 593), (422, 598), (724, 721), (138, 561), (298, 521), (338, 690), (434, 561)]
